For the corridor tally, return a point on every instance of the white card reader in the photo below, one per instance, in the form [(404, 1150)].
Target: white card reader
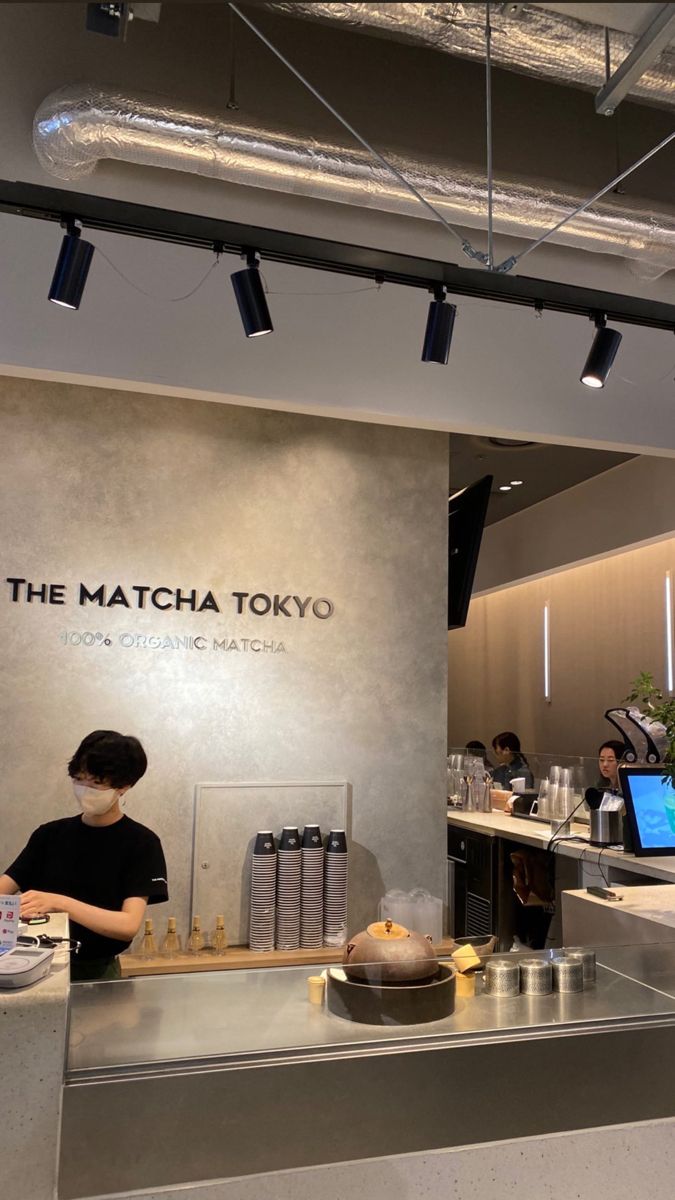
[(22, 966)]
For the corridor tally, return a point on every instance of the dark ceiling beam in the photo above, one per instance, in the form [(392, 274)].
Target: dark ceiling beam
[(276, 245)]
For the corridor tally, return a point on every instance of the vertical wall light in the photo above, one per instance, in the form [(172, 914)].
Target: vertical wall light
[(669, 672), (547, 652)]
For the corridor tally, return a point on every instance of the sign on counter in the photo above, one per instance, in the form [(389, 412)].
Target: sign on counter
[(9, 921)]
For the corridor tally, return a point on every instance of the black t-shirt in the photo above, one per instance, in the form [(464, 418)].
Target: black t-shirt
[(101, 865)]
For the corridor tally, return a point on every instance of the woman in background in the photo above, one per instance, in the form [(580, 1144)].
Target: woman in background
[(610, 755), (512, 762)]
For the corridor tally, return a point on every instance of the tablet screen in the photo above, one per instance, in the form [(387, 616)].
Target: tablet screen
[(653, 799)]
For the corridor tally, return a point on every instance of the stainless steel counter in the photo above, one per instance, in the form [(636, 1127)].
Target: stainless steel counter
[(225, 1075), (241, 1017)]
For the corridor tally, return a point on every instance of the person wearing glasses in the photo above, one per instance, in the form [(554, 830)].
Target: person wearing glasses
[(610, 755), (100, 867)]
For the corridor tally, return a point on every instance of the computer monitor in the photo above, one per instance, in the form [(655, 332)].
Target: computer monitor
[(467, 510), (649, 796)]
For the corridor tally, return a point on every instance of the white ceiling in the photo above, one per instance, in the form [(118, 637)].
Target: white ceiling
[(351, 355)]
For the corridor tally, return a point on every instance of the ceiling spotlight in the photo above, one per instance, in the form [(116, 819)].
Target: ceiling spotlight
[(601, 355), (72, 268), (516, 483), (505, 487), (250, 296), (438, 335)]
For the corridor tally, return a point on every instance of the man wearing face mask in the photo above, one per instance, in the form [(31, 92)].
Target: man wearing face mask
[(100, 867)]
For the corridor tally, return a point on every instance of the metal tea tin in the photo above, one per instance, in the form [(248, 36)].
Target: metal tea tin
[(588, 959), (536, 977), (568, 974), (502, 977)]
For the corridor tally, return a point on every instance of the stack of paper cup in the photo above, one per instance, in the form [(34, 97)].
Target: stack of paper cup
[(335, 889), (263, 892), (311, 906), (289, 882)]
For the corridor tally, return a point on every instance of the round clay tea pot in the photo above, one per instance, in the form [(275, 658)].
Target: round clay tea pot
[(389, 953)]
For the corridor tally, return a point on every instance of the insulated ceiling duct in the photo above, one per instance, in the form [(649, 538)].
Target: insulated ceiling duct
[(76, 127), (532, 41)]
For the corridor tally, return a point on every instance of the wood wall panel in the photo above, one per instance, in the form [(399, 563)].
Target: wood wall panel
[(607, 623)]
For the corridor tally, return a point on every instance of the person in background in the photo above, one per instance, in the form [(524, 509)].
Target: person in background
[(610, 755), (100, 867), (478, 749), (512, 764)]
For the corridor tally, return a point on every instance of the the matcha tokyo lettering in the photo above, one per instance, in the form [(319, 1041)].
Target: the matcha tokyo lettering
[(166, 599), (153, 641)]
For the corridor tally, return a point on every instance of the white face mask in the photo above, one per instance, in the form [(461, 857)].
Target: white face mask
[(94, 801)]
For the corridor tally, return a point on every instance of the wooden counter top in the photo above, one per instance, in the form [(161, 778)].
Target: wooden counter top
[(237, 957)]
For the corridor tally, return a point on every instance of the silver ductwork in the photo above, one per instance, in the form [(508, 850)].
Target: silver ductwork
[(76, 127), (532, 41)]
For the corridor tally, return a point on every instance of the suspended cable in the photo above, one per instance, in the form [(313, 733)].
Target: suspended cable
[(153, 295), (516, 258), (468, 249), (232, 103), (488, 118)]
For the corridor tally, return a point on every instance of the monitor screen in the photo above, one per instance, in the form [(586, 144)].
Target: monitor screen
[(466, 518), (650, 806)]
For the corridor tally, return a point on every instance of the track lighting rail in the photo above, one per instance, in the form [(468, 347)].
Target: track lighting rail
[(275, 245)]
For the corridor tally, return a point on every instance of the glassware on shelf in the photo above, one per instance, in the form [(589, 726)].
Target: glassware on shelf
[(171, 943), (148, 945), (196, 939), (219, 945)]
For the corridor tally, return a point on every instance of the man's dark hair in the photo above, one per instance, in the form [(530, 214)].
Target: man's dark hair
[(476, 746), (507, 741), (114, 757), (619, 749)]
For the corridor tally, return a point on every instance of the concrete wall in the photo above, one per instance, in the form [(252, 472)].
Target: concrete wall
[(114, 488), (607, 622)]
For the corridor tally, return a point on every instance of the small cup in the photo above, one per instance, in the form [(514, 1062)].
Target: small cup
[(264, 842), (290, 838), (465, 985), (311, 838), (336, 842), (316, 985)]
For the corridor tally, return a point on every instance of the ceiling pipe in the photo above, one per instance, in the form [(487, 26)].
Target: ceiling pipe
[(77, 127), (531, 41)]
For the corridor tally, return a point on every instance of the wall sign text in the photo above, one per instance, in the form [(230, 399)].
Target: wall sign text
[(166, 599)]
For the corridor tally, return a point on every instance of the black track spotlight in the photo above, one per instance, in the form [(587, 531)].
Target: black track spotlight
[(601, 355), (438, 335), (250, 295), (72, 268)]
